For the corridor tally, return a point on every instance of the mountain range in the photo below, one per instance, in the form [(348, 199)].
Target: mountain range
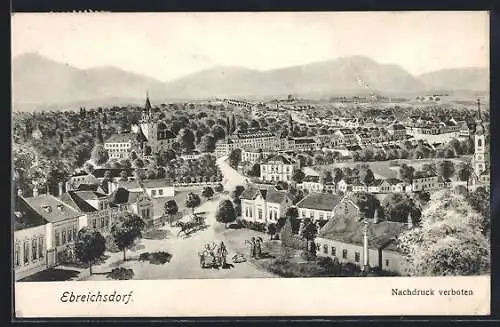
[(39, 82)]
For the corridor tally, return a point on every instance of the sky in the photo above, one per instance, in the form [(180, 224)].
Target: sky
[(170, 45)]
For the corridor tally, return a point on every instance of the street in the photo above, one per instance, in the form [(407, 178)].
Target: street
[(184, 249)]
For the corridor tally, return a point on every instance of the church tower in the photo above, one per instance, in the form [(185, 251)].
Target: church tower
[(148, 125), (481, 148)]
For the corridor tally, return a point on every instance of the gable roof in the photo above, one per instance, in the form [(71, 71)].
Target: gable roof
[(269, 193), (280, 158), (24, 217), (78, 203), (311, 179), (122, 196), (350, 231), (51, 208), (320, 201)]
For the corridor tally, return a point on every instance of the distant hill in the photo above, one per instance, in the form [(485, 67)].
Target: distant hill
[(457, 79), (42, 83)]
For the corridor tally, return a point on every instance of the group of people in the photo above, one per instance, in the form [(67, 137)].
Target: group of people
[(217, 251), (255, 247)]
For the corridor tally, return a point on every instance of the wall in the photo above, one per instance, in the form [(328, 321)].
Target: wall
[(373, 255), (33, 265)]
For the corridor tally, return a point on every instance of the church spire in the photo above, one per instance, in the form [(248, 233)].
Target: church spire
[(147, 106), (479, 118)]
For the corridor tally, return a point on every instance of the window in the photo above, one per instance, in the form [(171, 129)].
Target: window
[(70, 235), (40, 247), (321, 216), (58, 240), (356, 256), (26, 249), (387, 262), (34, 252), (346, 209), (344, 254), (63, 237), (17, 254), (160, 192), (303, 214), (334, 251), (94, 223), (260, 213), (325, 249), (479, 142), (74, 232), (102, 222), (153, 193)]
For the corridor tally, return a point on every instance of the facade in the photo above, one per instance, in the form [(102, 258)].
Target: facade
[(302, 144), (119, 145), (397, 131), (137, 202), (343, 238), (277, 168), (311, 183), (156, 188), (254, 155), (264, 204), (425, 182), (318, 206)]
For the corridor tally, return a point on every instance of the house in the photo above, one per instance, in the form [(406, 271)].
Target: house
[(303, 144), (155, 188), (358, 186), (329, 187), (442, 183), (343, 238), (255, 138), (137, 202), (30, 241), (345, 184), (423, 181), (63, 223), (223, 148), (380, 186), (277, 168), (119, 145), (254, 155), (311, 183), (193, 155), (100, 213), (397, 185), (464, 130), (264, 204), (346, 137), (318, 206), (397, 131)]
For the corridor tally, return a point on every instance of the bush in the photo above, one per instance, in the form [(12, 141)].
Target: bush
[(121, 274), (67, 256), (111, 245), (307, 255), (156, 258)]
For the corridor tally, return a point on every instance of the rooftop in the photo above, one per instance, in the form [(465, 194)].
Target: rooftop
[(23, 216), (269, 193), (320, 201), (122, 196), (120, 138), (279, 158), (350, 231), (51, 208)]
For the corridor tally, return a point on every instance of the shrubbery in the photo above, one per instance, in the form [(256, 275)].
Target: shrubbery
[(121, 273), (156, 258), (253, 225), (111, 245)]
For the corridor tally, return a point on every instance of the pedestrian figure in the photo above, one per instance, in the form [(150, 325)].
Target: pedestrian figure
[(223, 253), (258, 247), (252, 246)]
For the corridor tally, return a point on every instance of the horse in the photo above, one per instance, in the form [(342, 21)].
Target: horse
[(185, 227)]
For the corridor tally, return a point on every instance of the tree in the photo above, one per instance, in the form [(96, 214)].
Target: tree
[(219, 188), (89, 246), (99, 137), (397, 207), (218, 132), (407, 173), (292, 214), (225, 212), (254, 170), (271, 229), (479, 200), (186, 139), (298, 176), (233, 124), (207, 143), (126, 230), (171, 209), (235, 158), (309, 232), (367, 203), (446, 168), (369, 177), (192, 201), (327, 177), (104, 119), (339, 174), (449, 242), (465, 173), (208, 192), (99, 155)]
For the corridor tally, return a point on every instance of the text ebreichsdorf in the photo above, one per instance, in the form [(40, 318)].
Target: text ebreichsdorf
[(116, 297)]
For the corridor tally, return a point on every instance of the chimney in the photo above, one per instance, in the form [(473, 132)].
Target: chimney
[(35, 192), (60, 207), (19, 192), (410, 221), (375, 216)]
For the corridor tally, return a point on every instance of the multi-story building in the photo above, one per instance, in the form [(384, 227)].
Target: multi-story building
[(311, 183), (155, 188), (277, 168), (397, 131), (302, 144), (424, 181), (254, 138), (264, 204), (346, 137), (119, 145), (254, 155), (318, 206)]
